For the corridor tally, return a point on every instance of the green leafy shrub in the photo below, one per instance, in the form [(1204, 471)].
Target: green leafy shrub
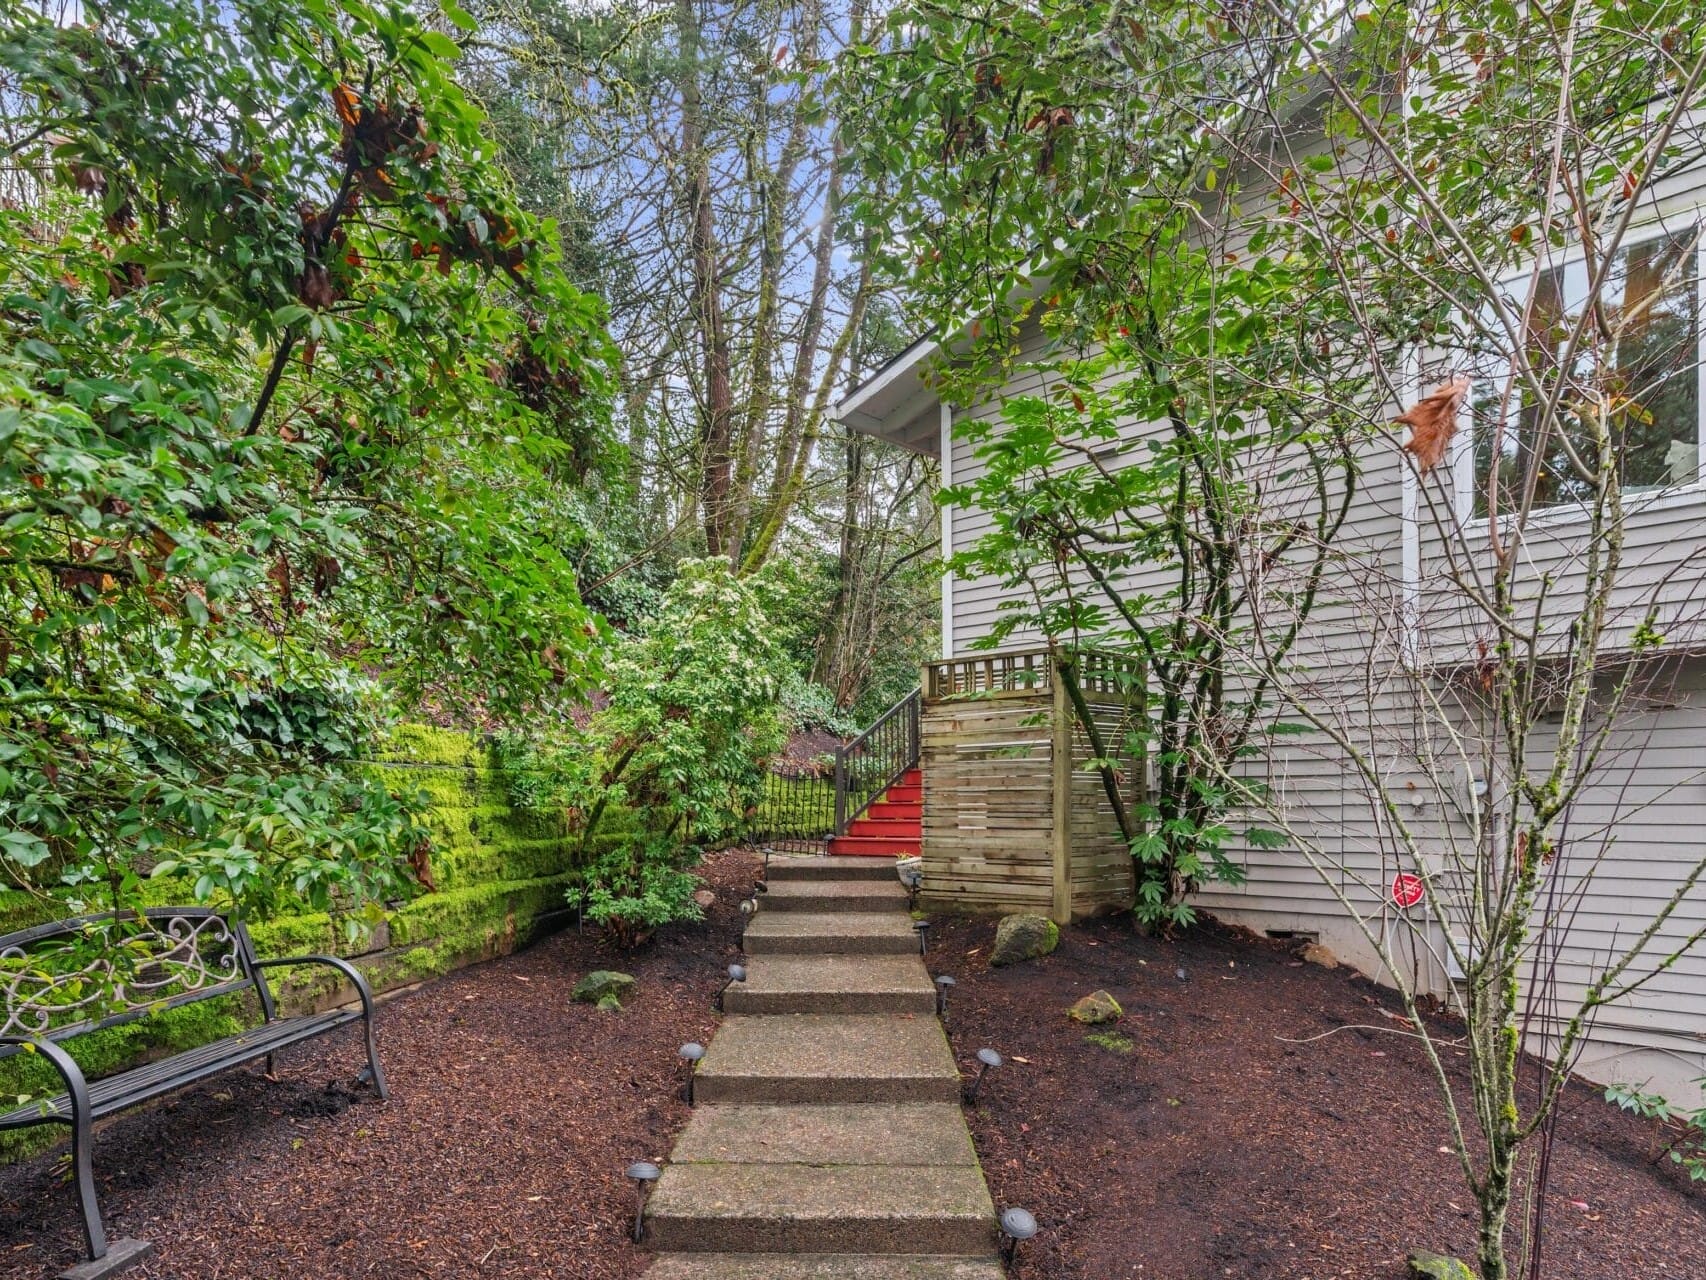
[(1684, 1127), (691, 724), (682, 747), (809, 705)]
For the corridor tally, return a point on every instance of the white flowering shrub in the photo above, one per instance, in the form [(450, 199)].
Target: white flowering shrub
[(683, 745)]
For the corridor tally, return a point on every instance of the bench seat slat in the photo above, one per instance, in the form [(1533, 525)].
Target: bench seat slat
[(131, 1088)]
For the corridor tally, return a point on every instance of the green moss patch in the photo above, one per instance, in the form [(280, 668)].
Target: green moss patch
[(500, 875), (1112, 1041)]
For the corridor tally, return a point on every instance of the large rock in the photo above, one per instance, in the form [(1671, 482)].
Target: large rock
[(1096, 1007), (1436, 1266), (1023, 937), (601, 983)]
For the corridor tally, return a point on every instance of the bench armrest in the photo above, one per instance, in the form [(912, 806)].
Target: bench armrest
[(342, 966), (75, 1085)]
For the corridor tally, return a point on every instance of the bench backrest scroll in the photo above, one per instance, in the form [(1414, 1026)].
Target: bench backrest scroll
[(67, 977)]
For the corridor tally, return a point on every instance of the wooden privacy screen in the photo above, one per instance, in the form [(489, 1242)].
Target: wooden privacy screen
[(1015, 816)]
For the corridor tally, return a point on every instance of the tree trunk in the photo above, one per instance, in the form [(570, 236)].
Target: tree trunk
[(716, 414), (1495, 1203), (832, 650)]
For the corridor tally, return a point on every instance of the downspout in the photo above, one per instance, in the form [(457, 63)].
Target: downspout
[(1410, 532)]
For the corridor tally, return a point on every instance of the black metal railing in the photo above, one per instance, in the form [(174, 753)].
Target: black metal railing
[(874, 761), (797, 810), (806, 802)]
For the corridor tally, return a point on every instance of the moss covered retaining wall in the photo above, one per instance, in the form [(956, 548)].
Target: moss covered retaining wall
[(500, 876)]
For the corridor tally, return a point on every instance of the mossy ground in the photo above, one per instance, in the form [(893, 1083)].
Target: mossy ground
[(1112, 1041), (500, 874)]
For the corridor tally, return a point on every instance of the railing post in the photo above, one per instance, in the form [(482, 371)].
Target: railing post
[(840, 789)]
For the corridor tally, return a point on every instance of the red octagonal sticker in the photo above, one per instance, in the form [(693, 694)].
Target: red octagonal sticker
[(1407, 890)]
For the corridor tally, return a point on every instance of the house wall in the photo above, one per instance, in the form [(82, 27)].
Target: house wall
[(1388, 605), (1665, 534)]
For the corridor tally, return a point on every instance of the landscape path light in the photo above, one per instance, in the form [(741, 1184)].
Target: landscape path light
[(922, 929), (690, 1053), (913, 879), (986, 1058), (737, 973), (1017, 1226), (644, 1173), (943, 984)]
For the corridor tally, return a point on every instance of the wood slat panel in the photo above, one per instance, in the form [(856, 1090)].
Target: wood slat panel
[(989, 756)]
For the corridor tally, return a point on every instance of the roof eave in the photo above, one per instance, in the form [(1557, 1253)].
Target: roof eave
[(896, 403)]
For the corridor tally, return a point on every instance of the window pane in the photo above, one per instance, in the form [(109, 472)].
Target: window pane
[(1640, 360)]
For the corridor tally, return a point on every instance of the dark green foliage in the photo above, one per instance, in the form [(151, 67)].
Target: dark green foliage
[(289, 384), (1173, 493)]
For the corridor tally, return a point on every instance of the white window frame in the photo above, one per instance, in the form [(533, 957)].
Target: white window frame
[(1468, 485)]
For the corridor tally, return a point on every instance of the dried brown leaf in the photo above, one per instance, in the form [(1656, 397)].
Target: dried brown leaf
[(1433, 422)]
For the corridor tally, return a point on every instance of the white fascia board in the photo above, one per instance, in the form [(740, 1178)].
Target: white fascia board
[(868, 404), (895, 403)]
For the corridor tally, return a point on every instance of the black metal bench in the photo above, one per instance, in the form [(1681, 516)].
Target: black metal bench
[(70, 977)]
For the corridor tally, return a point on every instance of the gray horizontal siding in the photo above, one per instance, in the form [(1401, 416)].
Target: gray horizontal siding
[(1640, 826)]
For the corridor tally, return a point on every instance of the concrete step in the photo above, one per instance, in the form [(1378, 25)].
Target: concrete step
[(833, 984), (789, 1208), (820, 1266), (774, 933), (874, 1133), (875, 846), (836, 895), (785, 868), (822, 1059)]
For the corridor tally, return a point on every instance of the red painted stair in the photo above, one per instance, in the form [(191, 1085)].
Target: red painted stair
[(893, 827)]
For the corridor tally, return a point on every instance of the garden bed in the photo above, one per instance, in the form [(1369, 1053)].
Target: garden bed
[(513, 1115), (1251, 1130)]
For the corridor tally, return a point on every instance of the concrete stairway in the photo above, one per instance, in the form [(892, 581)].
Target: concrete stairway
[(827, 1143)]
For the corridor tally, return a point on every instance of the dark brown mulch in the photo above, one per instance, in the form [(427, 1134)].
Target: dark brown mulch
[(808, 747), (513, 1114), (1215, 1148)]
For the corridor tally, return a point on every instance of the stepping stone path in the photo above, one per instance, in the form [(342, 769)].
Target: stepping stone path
[(828, 1142)]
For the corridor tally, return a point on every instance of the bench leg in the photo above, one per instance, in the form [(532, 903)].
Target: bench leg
[(374, 1070), (123, 1255), (82, 1163), (103, 1260)]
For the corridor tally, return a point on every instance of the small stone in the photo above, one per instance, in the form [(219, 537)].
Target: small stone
[(1095, 1008), (610, 1004), (1181, 975), (1023, 937), (706, 898), (1436, 1266), (602, 983), (1315, 953)]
